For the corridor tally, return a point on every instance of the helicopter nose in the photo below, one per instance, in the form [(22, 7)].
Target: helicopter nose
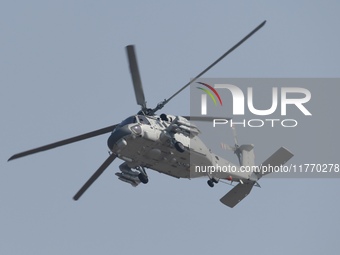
[(116, 135)]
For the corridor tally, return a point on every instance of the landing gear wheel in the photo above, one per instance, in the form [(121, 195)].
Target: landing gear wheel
[(143, 178), (214, 180), (179, 146), (210, 183)]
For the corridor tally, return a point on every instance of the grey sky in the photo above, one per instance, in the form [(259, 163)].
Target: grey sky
[(64, 72)]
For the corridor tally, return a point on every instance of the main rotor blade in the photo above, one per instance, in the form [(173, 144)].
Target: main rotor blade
[(161, 105), (137, 83), (95, 176), (64, 142), (204, 118)]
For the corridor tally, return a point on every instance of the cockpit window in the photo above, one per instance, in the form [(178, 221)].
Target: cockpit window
[(129, 120), (143, 120)]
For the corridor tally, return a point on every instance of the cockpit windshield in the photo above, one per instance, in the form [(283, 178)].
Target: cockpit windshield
[(127, 121), (135, 119), (143, 120)]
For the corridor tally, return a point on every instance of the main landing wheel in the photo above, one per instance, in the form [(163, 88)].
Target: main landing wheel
[(179, 146), (143, 178), (210, 183)]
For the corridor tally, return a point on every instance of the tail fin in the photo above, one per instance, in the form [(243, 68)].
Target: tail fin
[(247, 154)]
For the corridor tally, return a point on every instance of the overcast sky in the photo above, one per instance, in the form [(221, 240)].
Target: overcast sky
[(64, 72)]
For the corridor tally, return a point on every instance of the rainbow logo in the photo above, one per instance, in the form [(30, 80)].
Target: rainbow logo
[(208, 91)]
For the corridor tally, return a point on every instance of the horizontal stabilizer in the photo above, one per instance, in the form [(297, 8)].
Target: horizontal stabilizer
[(239, 192), (279, 158)]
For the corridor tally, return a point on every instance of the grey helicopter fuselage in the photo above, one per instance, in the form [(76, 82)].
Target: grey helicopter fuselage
[(150, 142), (170, 144)]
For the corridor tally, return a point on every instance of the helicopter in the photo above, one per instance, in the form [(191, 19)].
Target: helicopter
[(170, 144)]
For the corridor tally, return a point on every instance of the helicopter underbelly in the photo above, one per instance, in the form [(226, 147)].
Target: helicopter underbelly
[(151, 152)]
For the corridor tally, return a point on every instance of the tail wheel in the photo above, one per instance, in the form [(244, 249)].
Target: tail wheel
[(179, 146)]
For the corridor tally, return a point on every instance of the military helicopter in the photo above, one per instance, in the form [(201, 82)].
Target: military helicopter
[(168, 144)]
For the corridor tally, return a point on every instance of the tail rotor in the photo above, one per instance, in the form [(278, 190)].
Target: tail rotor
[(236, 148)]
